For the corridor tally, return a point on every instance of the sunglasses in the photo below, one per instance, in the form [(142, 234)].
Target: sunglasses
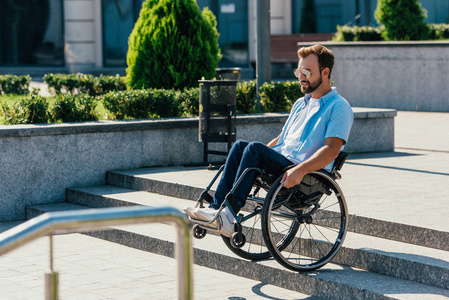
[(304, 72)]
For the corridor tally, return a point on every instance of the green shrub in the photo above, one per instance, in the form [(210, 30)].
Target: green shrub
[(172, 45), (292, 92), (12, 84), (141, 104), (105, 84), (70, 108), (165, 104), (189, 102), (32, 109), (79, 83), (439, 31), (54, 82), (246, 97), (279, 97), (402, 20), (121, 103), (357, 33)]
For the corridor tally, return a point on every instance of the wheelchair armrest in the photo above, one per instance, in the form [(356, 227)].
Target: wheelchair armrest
[(339, 161)]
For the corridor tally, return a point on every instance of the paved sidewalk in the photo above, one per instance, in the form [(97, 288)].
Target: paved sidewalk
[(410, 186), (90, 268), (425, 131)]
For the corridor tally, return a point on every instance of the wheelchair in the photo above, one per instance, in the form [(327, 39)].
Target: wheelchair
[(302, 227)]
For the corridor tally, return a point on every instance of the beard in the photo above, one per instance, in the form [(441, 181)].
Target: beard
[(312, 86)]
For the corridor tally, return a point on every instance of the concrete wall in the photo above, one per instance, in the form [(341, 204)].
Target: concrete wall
[(83, 38), (38, 162), (409, 76)]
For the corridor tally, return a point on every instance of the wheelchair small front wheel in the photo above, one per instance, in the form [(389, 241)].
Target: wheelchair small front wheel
[(254, 247), (237, 240), (198, 231)]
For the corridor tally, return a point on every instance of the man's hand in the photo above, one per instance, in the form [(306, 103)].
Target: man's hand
[(293, 176), (321, 158)]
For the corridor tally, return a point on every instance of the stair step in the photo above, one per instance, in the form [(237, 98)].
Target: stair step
[(188, 183), (331, 280), (416, 263), (151, 180)]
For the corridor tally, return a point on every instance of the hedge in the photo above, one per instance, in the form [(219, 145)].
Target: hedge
[(141, 104), (357, 33), (32, 109), (439, 31), (71, 106), (279, 97), (79, 83), (12, 84), (246, 97), (369, 33)]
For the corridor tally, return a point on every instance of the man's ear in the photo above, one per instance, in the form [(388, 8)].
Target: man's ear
[(326, 71)]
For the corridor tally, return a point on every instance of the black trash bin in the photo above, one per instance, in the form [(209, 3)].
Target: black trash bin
[(217, 115), (227, 74)]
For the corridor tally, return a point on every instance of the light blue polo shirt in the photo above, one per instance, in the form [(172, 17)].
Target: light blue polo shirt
[(334, 118)]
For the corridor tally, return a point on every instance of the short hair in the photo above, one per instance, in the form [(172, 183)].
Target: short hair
[(325, 56)]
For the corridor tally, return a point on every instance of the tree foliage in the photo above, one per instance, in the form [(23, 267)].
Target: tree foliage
[(172, 45), (402, 20)]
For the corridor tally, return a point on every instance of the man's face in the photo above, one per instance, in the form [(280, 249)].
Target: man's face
[(309, 63)]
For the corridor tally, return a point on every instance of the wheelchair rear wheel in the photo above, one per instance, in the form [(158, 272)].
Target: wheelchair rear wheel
[(318, 209)]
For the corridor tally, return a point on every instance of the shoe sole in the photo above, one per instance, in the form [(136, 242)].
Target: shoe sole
[(188, 213), (200, 217)]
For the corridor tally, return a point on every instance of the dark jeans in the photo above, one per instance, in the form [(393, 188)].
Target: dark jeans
[(241, 156)]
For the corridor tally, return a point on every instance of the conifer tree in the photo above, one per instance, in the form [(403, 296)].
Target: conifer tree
[(402, 20), (172, 45)]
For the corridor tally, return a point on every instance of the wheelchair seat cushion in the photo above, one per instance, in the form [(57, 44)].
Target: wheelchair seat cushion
[(307, 193)]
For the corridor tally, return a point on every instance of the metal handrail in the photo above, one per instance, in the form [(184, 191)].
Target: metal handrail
[(100, 219)]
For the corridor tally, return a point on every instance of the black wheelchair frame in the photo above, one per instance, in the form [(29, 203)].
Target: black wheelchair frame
[(302, 227)]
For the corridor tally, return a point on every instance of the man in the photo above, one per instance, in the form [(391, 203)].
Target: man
[(315, 132)]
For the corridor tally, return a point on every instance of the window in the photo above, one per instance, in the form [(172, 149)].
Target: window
[(31, 32), (119, 17), (232, 20)]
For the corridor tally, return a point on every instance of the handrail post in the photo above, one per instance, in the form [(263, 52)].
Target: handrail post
[(99, 219), (52, 278), (184, 255)]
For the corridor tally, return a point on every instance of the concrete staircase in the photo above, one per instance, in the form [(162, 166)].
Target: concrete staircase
[(378, 260)]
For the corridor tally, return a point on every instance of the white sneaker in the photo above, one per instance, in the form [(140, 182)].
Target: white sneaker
[(225, 218), (190, 211), (202, 214), (227, 227), (206, 214)]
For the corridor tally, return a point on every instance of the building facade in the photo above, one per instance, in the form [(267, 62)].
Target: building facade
[(91, 36)]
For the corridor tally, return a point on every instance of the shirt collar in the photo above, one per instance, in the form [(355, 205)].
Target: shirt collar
[(323, 99)]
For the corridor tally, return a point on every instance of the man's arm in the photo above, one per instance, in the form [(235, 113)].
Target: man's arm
[(321, 158), (274, 141)]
